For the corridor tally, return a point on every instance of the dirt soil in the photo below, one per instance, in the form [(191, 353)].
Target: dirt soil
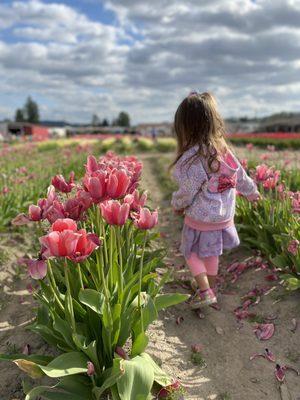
[(227, 345)]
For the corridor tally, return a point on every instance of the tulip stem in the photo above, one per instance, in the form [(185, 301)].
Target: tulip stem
[(53, 286), (111, 252), (140, 279), (103, 232), (68, 295), (80, 275), (120, 269)]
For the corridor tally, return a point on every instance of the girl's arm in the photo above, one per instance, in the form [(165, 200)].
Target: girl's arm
[(190, 178), (245, 185)]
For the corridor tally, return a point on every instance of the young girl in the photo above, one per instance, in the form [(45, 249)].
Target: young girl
[(208, 175)]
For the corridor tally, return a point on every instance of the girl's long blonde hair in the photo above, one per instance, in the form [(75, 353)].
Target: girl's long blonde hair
[(198, 122)]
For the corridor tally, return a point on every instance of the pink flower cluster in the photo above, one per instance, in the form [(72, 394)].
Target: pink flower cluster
[(267, 176), (111, 183)]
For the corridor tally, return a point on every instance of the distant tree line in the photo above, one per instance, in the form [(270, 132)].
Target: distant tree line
[(123, 119), (29, 113)]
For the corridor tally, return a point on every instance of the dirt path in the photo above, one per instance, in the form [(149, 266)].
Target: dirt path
[(227, 345)]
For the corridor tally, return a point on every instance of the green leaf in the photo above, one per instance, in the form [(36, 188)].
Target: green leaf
[(137, 381), (139, 344), (279, 261), (160, 376), (110, 377), (66, 364), (293, 283), (42, 360), (167, 300), (64, 328), (92, 299)]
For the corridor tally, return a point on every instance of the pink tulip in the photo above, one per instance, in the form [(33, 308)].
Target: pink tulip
[(145, 219), (263, 172), (86, 244), (73, 209), (136, 200), (118, 183), (35, 213), (60, 244), (271, 182), (96, 185), (166, 391), (63, 225), (293, 247), (114, 212), (54, 212), (37, 269), (91, 165), (84, 198), (249, 146), (90, 368), (62, 185)]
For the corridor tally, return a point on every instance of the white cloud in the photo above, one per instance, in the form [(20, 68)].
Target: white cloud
[(246, 52)]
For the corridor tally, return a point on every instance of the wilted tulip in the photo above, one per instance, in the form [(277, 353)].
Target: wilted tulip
[(62, 185), (114, 212), (145, 219), (54, 212)]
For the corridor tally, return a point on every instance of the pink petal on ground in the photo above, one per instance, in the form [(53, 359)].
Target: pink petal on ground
[(279, 373), (26, 350), (289, 367), (256, 355), (215, 306), (264, 331), (269, 355), (271, 277), (294, 325), (179, 320)]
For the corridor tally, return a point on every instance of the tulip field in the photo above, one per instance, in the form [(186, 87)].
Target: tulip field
[(94, 300)]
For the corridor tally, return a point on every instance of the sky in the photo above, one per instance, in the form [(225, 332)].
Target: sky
[(80, 57)]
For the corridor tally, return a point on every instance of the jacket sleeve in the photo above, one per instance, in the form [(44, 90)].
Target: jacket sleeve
[(245, 185), (190, 178)]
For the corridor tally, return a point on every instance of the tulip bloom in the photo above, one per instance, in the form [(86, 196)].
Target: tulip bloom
[(60, 243), (91, 165), (262, 173), (35, 213), (62, 185), (145, 219), (96, 185), (114, 212), (118, 183), (136, 200), (54, 212), (37, 269), (86, 244), (63, 225), (293, 247)]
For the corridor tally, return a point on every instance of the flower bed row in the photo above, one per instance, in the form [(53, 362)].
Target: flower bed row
[(281, 141), (98, 290)]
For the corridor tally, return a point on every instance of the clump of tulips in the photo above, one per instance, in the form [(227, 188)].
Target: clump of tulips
[(98, 290), (272, 224)]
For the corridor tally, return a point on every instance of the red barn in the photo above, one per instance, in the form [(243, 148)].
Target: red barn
[(27, 131)]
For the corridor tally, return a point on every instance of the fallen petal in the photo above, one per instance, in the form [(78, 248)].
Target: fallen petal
[(26, 350), (179, 320), (256, 355), (294, 325), (269, 355), (289, 367), (279, 373), (219, 330), (264, 331)]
